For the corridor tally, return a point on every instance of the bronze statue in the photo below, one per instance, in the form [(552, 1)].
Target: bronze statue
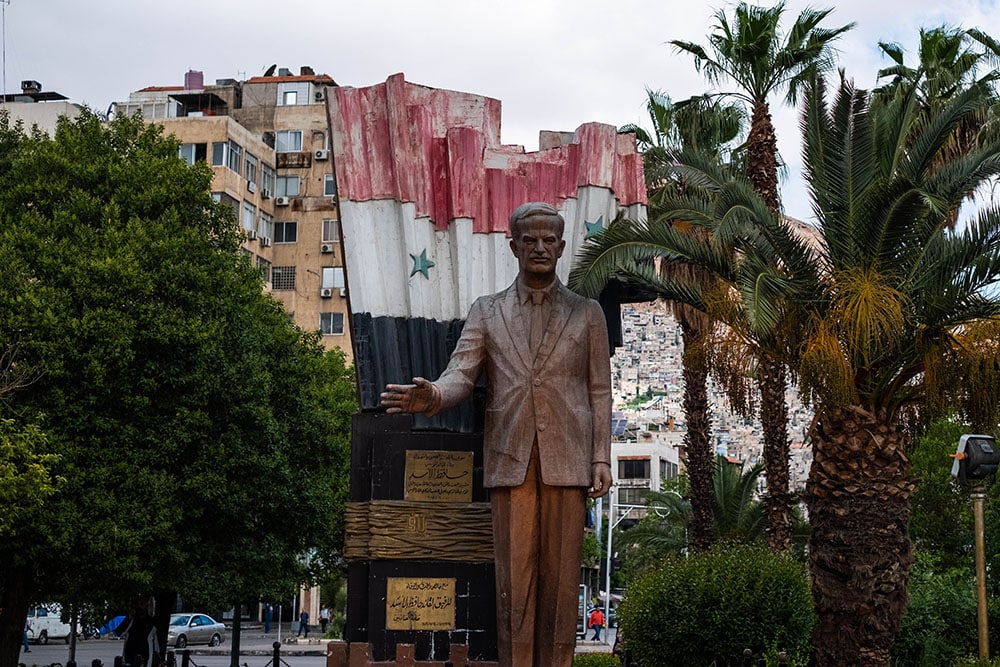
[(547, 436)]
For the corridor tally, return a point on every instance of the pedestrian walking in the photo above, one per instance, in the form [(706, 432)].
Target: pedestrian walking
[(324, 618), (596, 622), (268, 617), (24, 636), (303, 624)]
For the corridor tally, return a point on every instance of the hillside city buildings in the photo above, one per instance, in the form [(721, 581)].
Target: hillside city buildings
[(647, 388)]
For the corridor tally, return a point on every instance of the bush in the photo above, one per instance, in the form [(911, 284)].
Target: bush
[(939, 625), (687, 611), (595, 660)]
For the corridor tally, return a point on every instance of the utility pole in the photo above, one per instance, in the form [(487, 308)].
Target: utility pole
[(3, 11)]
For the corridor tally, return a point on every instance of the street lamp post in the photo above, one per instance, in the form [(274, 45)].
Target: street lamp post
[(976, 462)]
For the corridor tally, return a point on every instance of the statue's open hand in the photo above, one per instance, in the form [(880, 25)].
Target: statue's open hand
[(421, 396), (602, 480)]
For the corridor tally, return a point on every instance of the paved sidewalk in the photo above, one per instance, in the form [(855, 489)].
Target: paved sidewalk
[(253, 641)]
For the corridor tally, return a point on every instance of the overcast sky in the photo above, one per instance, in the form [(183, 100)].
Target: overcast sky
[(554, 64)]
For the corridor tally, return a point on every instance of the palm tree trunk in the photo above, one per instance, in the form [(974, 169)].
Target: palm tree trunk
[(762, 151), (762, 171), (772, 382), (696, 440), (858, 495)]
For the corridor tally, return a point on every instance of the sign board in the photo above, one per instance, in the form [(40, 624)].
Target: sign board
[(420, 604), (438, 476)]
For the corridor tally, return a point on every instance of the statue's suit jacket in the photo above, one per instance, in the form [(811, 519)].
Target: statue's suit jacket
[(562, 396)]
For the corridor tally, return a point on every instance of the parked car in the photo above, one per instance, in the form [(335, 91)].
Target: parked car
[(187, 629), (45, 623)]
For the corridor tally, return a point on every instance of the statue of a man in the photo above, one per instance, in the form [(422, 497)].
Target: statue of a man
[(547, 436)]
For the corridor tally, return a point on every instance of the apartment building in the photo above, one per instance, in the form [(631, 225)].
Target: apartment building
[(267, 141), (38, 108)]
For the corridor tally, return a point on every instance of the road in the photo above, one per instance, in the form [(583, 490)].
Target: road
[(105, 650), (255, 652)]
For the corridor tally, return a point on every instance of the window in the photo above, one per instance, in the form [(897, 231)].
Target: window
[(249, 216), (288, 186), (265, 268), (223, 198), (668, 469), (251, 169), (228, 153), (235, 158), (283, 278), (291, 93), (631, 496), (331, 231), (633, 469), (191, 153), (286, 232), (288, 141), (267, 177), (266, 226), (333, 276), (329, 186), (331, 323)]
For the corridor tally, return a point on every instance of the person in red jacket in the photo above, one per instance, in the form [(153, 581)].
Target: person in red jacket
[(596, 622)]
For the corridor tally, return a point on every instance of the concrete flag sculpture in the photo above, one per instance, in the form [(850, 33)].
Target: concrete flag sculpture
[(425, 191)]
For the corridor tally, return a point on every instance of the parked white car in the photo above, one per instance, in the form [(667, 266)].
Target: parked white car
[(45, 623)]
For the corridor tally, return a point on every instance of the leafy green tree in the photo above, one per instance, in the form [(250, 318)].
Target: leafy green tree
[(200, 439), (25, 478), (751, 52), (941, 518), (737, 516)]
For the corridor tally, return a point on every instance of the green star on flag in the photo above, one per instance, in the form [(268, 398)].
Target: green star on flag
[(421, 264), (594, 228)]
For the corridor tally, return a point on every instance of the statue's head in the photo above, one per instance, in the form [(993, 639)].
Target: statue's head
[(534, 209), (536, 230)]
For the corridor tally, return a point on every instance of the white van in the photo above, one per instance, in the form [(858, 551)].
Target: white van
[(45, 623)]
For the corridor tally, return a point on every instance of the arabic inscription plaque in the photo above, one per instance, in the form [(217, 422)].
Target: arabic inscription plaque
[(419, 604), (438, 476)]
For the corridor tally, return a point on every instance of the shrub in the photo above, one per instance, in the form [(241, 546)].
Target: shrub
[(732, 598), (595, 660), (939, 624)]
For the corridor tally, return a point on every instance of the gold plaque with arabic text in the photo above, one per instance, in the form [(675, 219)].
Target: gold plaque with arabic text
[(419, 604), (438, 476)]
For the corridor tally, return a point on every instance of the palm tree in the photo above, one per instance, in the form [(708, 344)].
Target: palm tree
[(752, 53), (950, 62), (707, 126), (737, 516), (891, 312)]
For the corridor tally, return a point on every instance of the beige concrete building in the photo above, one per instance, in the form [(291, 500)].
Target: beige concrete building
[(267, 141)]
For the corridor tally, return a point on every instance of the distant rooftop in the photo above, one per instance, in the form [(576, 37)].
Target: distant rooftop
[(31, 91)]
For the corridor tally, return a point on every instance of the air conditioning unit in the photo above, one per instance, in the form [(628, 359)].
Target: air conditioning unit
[(251, 235), (281, 201), (251, 186), (265, 193), (322, 154), (326, 292), (318, 96), (264, 241), (343, 291), (326, 248)]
